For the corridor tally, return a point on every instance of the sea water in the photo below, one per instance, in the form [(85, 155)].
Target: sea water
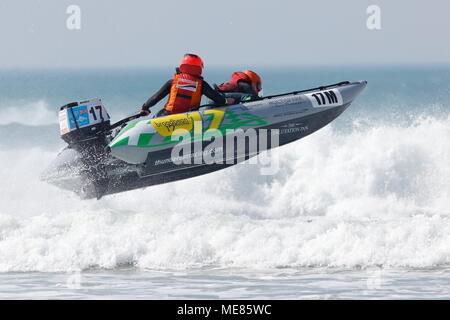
[(359, 209)]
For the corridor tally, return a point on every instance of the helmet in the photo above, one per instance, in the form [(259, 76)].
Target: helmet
[(192, 64), (256, 80)]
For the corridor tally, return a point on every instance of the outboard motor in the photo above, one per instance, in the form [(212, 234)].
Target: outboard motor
[(83, 121), (84, 126)]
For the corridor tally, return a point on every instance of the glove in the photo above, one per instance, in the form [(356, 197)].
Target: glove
[(230, 100), (144, 113)]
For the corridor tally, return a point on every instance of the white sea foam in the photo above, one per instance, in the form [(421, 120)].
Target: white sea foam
[(35, 113), (375, 196)]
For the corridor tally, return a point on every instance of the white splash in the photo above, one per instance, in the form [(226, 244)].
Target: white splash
[(376, 196), (36, 113)]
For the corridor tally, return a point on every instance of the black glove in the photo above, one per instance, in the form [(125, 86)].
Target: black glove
[(144, 112)]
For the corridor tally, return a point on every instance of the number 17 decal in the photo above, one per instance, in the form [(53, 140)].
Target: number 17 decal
[(94, 114)]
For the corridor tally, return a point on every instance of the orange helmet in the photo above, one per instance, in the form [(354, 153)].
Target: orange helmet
[(192, 64), (256, 80)]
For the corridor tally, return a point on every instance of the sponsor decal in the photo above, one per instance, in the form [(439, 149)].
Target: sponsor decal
[(187, 84), (167, 125), (63, 122), (293, 128), (281, 102), (81, 116)]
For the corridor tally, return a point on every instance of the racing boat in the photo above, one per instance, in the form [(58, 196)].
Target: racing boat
[(103, 158)]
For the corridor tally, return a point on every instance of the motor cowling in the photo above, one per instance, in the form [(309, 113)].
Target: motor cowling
[(83, 121), (84, 126)]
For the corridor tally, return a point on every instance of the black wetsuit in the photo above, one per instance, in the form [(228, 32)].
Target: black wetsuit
[(217, 97)]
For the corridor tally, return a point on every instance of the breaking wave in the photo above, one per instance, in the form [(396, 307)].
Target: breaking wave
[(37, 113), (376, 195)]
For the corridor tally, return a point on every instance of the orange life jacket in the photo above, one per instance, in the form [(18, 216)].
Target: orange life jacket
[(185, 93), (232, 85)]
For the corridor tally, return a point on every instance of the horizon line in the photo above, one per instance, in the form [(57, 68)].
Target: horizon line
[(263, 66)]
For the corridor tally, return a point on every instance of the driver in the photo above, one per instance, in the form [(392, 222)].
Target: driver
[(243, 86), (185, 89)]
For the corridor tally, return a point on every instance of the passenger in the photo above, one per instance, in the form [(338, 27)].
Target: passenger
[(243, 86), (185, 89)]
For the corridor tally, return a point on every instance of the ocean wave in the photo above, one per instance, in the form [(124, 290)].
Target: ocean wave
[(377, 195), (37, 113)]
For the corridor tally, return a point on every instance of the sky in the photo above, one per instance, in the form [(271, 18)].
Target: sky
[(143, 33)]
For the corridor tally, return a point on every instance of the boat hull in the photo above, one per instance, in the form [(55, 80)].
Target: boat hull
[(147, 153)]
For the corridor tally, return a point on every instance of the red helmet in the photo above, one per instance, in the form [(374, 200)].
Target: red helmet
[(192, 64), (256, 80)]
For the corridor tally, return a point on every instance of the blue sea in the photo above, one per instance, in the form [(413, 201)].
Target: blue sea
[(358, 210)]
